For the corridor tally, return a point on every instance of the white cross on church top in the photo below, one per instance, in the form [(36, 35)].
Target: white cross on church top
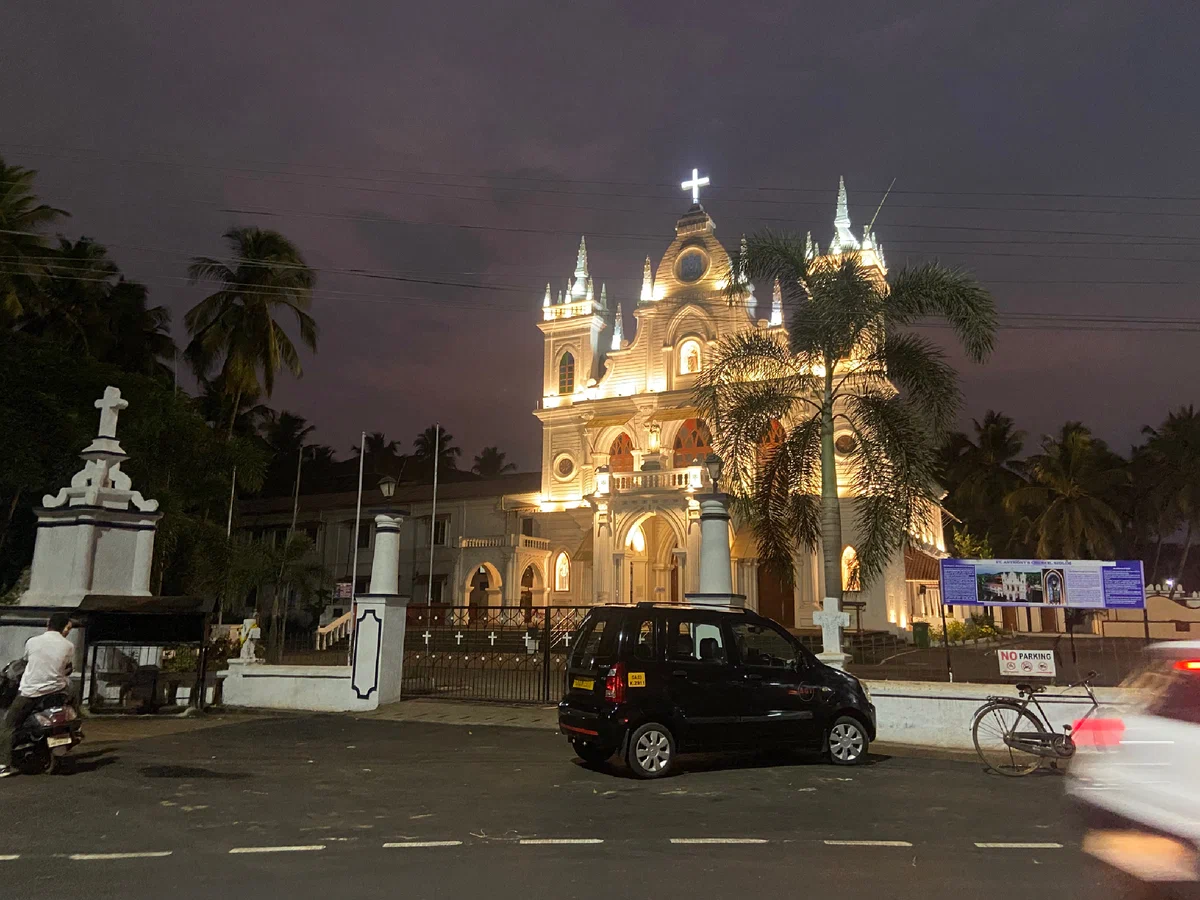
[(695, 184), (109, 405)]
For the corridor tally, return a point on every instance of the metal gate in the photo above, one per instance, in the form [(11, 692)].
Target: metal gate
[(513, 654)]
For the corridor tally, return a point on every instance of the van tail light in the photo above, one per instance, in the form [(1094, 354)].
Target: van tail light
[(1188, 665), (614, 684)]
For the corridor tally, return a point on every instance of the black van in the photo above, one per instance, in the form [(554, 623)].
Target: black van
[(653, 680)]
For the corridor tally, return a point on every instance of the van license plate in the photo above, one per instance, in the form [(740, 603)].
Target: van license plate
[(53, 742), (584, 684)]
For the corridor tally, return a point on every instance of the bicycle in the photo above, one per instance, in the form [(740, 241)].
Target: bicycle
[(1012, 740)]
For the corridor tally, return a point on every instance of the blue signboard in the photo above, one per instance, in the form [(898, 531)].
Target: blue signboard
[(1070, 583)]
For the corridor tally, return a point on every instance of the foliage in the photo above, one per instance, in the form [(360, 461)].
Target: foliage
[(954, 628), (436, 439), (1067, 510), (967, 546), (490, 462), (980, 470), (1171, 462), (848, 366), (235, 330), (23, 250)]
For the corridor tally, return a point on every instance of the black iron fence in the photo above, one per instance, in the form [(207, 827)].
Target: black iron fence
[(511, 654)]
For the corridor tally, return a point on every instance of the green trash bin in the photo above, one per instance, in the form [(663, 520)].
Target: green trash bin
[(921, 635)]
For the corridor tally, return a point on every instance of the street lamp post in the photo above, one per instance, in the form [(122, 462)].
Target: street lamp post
[(716, 565)]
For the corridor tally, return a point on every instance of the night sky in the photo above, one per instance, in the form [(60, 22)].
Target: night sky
[(1049, 147)]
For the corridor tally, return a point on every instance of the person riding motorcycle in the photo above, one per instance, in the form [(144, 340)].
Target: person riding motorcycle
[(48, 661)]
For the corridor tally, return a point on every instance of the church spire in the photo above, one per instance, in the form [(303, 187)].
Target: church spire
[(811, 251), (618, 329), (647, 283), (591, 289), (603, 296), (546, 299), (843, 238), (579, 289), (776, 305)]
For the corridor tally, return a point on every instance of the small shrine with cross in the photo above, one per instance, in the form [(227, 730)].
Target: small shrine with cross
[(95, 536)]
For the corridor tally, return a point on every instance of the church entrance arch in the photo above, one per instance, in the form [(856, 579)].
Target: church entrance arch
[(483, 591), (533, 593), (649, 568)]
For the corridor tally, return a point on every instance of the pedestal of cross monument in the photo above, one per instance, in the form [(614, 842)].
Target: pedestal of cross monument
[(95, 536), (832, 621)]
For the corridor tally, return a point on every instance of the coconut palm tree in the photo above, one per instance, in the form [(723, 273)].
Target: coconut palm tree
[(1068, 504), (856, 396), (23, 251), (490, 462), (980, 470), (436, 436), (1173, 451), (236, 330)]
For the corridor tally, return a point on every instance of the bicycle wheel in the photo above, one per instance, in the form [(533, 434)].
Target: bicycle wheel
[(992, 723)]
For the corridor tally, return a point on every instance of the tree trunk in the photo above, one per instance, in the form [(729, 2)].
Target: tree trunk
[(831, 510), (12, 511), (1187, 547), (237, 401)]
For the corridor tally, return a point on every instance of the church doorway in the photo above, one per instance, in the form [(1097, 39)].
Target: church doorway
[(527, 584), (775, 599), (651, 571), (477, 599)]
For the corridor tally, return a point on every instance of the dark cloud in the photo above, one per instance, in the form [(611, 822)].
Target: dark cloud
[(318, 119)]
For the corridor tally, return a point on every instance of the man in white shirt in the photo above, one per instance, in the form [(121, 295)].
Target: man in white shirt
[(48, 662)]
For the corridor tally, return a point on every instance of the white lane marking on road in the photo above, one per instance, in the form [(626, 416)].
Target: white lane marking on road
[(537, 841), (422, 844), (869, 843), (1018, 845), (726, 840), (297, 848), (10, 857), (149, 854)]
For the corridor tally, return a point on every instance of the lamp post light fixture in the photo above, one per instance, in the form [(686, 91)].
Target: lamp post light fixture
[(387, 487), (714, 464)]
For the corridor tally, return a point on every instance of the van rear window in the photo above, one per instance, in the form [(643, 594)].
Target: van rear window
[(597, 640)]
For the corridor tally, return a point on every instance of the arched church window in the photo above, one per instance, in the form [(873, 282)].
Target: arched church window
[(562, 572), (689, 357), (772, 438), (693, 443), (850, 577), (566, 374), (620, 454)]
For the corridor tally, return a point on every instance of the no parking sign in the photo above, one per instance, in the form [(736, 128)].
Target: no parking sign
[(1026, 663)]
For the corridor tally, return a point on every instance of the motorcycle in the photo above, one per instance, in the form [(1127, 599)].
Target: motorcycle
[(46, 736)]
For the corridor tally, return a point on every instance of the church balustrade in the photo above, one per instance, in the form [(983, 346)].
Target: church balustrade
[(661, 480), (504, 540)]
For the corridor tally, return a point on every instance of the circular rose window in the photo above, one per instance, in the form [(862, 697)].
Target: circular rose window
[(564, 468), (692, 265), (845, 444)]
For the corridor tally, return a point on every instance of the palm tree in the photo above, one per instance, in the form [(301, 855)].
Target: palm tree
[(23, 250), (1174, 452), (845, 372), (980, 471), (217, 405), (236, 329), (490, 462), (436, 436), (138, 338), (74, 300), (1069, 500), (286, 434)]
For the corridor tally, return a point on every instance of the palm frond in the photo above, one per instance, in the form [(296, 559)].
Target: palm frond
[(951, 294)]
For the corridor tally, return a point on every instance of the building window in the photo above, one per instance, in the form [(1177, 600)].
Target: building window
[(566, 374), (441, 531), (364, 533), (845, 444), (564, 467), (620, 454), (689, 357), (693, 443), (850, 578), (562, 572), (527, 527)]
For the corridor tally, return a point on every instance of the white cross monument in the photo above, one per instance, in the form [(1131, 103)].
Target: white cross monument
[(695, 184)]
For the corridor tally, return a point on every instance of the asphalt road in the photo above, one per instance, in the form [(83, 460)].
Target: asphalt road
[(326, 806)]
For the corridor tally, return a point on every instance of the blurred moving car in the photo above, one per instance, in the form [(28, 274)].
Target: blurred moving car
[(1136, 774)]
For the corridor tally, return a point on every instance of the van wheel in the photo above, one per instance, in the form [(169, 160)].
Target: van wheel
[(847, 742), (651, 751), (592, 754)]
